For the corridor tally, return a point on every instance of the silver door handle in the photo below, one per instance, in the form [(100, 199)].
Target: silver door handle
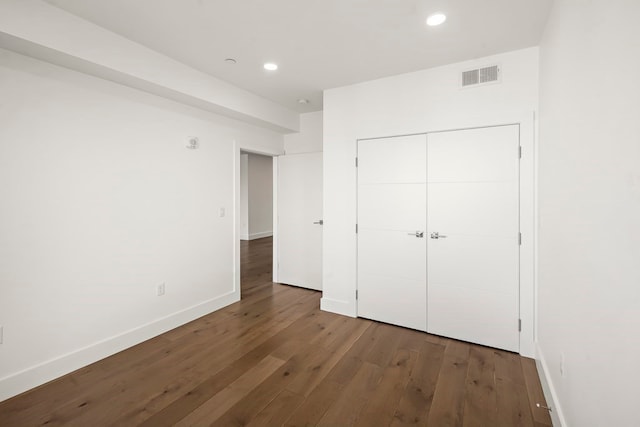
[(319, 222), (436, 235), (418, 234)]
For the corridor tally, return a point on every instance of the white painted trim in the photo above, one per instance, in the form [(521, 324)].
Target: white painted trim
[(238, 150), (254, 236), (275, 252), (237, 221), (528, 247), (550, 395), (345, 308), (34, 376)]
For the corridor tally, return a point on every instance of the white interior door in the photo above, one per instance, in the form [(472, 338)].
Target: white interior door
[(299, 220), (473, 227), (391, 224)]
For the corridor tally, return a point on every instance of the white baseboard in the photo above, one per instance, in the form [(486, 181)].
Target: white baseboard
[(337, 306), (557, 418), (255, 236), (34, 376), (260, 235)]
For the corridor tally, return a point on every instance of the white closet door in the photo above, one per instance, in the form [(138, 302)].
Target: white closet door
[(391, 224), (299, 214), (473, 235)]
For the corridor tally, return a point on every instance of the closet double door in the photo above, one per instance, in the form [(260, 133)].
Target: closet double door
[(438, 233)]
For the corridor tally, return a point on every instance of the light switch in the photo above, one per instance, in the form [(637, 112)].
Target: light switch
[(221, 212)]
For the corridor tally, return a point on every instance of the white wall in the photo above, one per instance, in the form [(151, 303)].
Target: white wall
[(244, 196), (427, 100), (309, 139), (260, 196), (589, 199), (100, 203)]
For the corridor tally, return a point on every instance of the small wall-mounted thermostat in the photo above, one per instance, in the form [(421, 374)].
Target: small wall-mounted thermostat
[(193, 142)]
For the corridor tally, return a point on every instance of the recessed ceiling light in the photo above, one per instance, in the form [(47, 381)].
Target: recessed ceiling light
[(303, 101), (270, 66), (436, 19), (230, 61)]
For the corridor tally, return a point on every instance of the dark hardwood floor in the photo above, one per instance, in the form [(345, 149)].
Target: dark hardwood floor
[(275, 359)]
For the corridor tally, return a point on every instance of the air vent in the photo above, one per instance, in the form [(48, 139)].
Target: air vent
[(480, 76), (470, 78)]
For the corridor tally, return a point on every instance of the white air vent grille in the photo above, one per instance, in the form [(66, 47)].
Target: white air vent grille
[(480, 76), (470, 78), (489, 74)]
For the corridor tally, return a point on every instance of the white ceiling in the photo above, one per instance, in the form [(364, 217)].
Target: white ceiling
[(318, 44)]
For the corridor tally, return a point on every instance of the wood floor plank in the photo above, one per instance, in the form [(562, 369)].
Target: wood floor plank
[(346, 409), (508, 367), (534, 391), (414, 406), (274, 358), (345, 370), (215, 407), (511, 393), (410, 339), (480, 407), (324, 361), (277, 412), (447, 408), (255, 401), (381, 405), (383, 344), (315, 405), (513, 404)]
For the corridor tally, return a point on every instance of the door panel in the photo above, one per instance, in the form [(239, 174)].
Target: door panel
[(478, 315), (488, 253), (473, 208), (473, 203), (392, 160), (383, 206), (473, 155), (391, 208), (299, 206)]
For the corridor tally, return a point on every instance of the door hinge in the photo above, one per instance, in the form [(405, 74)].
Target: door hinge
[(519, 325), (356, 228), (356, 162), (520, 239), (356, 294), (520, 151)]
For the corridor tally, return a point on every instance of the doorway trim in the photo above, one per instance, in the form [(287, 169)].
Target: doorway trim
[(238, 149)]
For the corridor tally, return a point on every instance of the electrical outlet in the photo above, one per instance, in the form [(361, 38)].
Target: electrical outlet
[(160, 289)]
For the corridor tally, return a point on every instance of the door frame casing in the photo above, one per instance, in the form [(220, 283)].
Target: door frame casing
[(239, 149), (527, 219)]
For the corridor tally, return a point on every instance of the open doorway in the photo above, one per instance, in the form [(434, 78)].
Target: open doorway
[(256, 222)]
